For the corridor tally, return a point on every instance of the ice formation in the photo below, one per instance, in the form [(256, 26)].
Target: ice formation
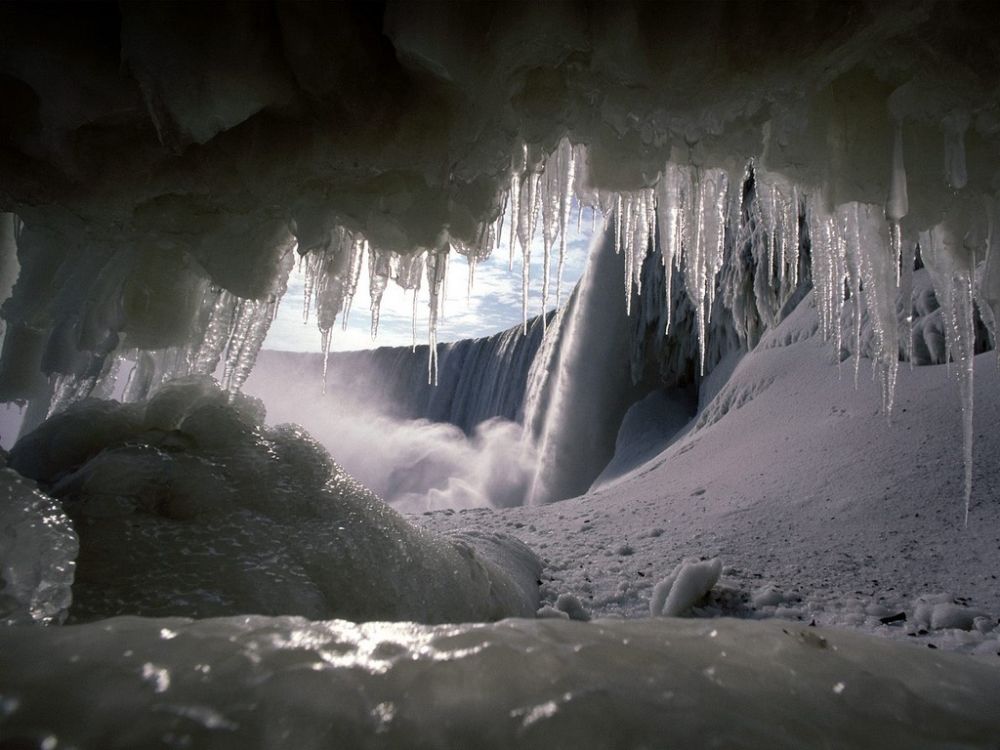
[(186, 504), (38, 550)]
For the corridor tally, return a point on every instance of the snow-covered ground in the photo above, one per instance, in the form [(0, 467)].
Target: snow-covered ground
[(821, 510)]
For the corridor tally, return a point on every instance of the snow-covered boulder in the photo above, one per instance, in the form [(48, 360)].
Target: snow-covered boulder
[(188, 505)]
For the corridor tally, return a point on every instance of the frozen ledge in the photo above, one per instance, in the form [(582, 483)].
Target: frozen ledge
[(287, 682)]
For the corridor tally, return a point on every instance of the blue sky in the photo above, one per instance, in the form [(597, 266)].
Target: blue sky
[(494, 305)]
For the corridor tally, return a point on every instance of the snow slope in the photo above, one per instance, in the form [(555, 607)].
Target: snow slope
[(820, 509)]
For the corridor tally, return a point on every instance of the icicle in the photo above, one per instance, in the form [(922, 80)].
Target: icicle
[(204, 358), (872, 271), (325, 347), (516, 176), (358, 250), (551, 201), (311, 264), (988, 282), (618, 225), (525, 233), (255, 323), (672, 195), (567, 173), (497, 235), (413, 321), (792, 216), (897, 205), (436, 265), (625, 244), (241, 324), (949, 252), (907, 255), (849, 231), (955, 172), (471, 260), (379, 268)]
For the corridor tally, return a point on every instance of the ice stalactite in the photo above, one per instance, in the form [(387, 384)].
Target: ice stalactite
[(776, 213), (949, 252), (551, 222), (634, 229), (897, 205), (674, 194), (829, 271), (988, 281), (358, 250), (518, 162), (333, 273), (252, 324), (955, 170), (704, 255), (874, 282), (531, 195), (379, 268), (203, 358), (437, 264), (567, 173)]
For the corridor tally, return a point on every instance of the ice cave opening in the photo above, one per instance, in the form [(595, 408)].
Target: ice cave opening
[(728, 478)]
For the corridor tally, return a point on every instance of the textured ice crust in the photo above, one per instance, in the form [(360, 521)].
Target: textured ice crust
[(37, 552), (187, 505), (255, 682)]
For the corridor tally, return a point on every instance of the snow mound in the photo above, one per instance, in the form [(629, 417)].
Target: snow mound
[(942, 612), (187, 505), (688, 584)]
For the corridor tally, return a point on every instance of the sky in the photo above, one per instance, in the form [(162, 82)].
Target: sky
[(494, 304)]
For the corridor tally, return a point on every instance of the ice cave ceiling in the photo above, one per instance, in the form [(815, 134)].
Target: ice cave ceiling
[(153, 151), (214, 127)]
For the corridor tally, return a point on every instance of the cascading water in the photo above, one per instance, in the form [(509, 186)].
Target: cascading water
[(582, 386)]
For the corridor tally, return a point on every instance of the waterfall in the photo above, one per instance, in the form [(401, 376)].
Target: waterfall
[(581, 384)]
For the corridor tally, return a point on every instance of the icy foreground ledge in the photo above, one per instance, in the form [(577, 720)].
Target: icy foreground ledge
[(287, 682)]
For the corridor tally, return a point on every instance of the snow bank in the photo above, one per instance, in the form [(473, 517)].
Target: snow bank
[(254, 682), (187, 505)]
